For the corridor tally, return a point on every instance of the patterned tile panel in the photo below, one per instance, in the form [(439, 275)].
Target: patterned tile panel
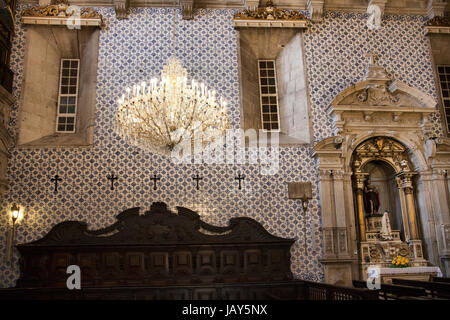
[(136, 49)]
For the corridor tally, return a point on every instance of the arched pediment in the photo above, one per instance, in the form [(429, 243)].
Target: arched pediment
[(383, 94), (380, 104), (377, 90)]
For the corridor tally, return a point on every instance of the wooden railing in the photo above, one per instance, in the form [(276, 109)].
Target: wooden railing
[(324, 291), (287, 290), (395, 292), (440, 290), (441, 279)]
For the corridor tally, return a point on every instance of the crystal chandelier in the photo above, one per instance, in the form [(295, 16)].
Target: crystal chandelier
[(164, 113)]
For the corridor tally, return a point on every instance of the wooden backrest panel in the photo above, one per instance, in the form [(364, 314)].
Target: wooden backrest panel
[(157, 248)]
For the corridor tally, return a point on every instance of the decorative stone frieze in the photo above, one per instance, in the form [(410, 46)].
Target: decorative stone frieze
[(435, 8), (315, 9), (380, 3), (270, 16), (121, 7), (438, 24), (62, 13), (187, 7), (379, 101), (252, 5)]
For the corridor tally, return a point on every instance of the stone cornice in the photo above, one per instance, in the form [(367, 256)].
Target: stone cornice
[(438, 24), (418, 7), (61, 13), (270, 16)]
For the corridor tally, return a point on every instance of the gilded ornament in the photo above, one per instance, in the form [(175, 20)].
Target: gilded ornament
[(270, 12), (438, 21), (61, 8)]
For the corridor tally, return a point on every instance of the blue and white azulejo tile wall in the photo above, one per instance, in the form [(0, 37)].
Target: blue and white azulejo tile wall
[(135, 49)]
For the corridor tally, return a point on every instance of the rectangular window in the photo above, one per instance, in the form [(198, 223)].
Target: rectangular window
[(268, 95), (444, 80), (68, 96)]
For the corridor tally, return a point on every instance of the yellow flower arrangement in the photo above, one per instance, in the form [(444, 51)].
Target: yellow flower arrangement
[(400, 262)]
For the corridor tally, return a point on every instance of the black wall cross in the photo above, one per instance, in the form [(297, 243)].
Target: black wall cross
[(197, 179), (56, 179), (112, 177), (155, 179), (240, 178)]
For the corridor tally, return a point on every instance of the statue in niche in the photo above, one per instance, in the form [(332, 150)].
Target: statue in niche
[(371, 200), (386, 231)]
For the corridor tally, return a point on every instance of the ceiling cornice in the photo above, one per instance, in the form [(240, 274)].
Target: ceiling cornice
[(414, 7)]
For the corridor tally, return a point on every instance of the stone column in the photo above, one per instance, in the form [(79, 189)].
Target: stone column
[(328, 217), (360, 177), (406, 180), (404, 209)]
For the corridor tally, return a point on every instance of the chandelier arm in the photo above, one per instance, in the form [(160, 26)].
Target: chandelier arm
[(155, 124), (194, 109), (143, 119)]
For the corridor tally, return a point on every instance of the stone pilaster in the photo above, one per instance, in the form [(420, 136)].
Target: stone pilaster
[(315, 8), (121, 7), (435, 8), (380, 3), (187, 7), (251, 5)]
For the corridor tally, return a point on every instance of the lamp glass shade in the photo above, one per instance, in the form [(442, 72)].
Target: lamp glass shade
[(15, 210)]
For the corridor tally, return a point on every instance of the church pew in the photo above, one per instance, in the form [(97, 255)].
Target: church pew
[(441, 279), (163, 255), (394, 292), (325, 291), (283, 290), (436, 289)]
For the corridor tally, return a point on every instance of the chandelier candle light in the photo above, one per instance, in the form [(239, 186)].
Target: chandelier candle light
[(162, 114), (165, 113)]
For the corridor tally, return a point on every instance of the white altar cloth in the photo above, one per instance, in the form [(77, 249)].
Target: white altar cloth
[(411, 270)]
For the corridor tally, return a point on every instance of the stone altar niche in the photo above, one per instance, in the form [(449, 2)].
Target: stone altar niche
[(378, 248), (375, 107)]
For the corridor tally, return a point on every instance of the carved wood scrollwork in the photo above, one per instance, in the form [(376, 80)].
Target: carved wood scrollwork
[(158, 248), (156, 226)]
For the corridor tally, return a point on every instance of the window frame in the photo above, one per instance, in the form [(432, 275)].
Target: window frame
[(269, 95), (441, 92), (68, 95)]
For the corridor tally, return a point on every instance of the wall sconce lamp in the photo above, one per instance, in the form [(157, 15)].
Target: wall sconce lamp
[(303, 192), (15, 213)]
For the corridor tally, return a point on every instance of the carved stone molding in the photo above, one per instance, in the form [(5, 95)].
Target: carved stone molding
[(270, 16), (336, 243), (252, 5), (315, 8), (435, 8), (438, 24), (338, 175), (381, 148), (381, 102), (380, 3), (121, 7), (437, 151), (61, 13), (360, 6), (187, 7)]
